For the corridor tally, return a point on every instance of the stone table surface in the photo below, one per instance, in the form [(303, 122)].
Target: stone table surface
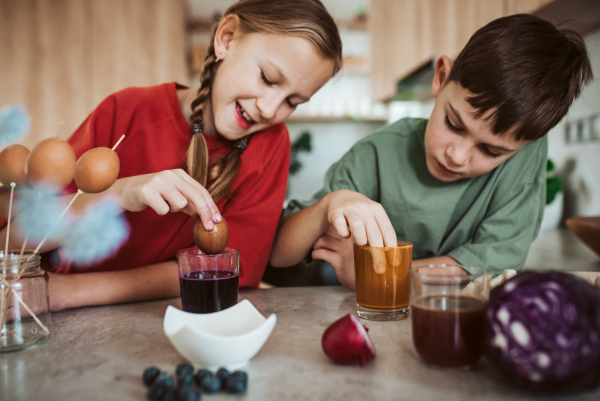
[(99, 353)]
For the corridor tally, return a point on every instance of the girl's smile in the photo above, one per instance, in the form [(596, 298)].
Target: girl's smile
[(243, 119)]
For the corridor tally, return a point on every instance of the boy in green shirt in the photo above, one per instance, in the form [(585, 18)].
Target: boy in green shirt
[(467, 185)]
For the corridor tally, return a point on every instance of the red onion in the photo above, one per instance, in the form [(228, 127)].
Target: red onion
[(346, 342)]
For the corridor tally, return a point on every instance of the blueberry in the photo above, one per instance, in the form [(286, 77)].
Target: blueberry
[(187, 394), (165, 379), (157, 392), (200, 375), (171, 395), (185, 380), (223, 375), (184, 369), (239, 375), (150, 375), (235, 386), (211, 385)]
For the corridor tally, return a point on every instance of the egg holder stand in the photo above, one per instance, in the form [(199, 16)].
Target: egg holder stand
[(4, 295)]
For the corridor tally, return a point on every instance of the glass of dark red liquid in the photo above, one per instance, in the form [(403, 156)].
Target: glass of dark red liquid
[(208, 283), (448, 304)]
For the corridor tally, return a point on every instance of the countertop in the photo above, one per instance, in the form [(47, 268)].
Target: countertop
[(100, 353)]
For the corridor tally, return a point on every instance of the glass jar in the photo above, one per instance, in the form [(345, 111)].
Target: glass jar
[(24, 302)]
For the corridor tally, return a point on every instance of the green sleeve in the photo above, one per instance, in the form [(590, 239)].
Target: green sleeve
[(503, 238), (356, 170)]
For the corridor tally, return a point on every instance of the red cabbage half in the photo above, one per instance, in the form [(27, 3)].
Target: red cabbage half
[(543, 331)]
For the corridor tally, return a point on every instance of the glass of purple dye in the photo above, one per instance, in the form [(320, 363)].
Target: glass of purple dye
[(208, 283)]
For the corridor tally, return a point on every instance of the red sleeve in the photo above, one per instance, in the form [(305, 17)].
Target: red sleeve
[(253, 213)]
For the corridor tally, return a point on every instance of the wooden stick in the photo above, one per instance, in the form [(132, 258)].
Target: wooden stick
[(24, 305), (79, 192), (60, 125), (117, 144), (23, 247)]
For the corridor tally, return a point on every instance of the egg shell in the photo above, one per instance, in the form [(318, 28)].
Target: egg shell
[(12, 164), (210, 242), (96, 170), (51, 162)]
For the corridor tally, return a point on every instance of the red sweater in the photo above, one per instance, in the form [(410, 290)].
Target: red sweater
[(157, 138)]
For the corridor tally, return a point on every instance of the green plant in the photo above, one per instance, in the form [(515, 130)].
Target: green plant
[(553, 183), (302, 144)]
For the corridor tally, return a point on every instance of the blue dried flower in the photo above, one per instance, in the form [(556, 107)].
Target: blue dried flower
[(14, 124), (97, 234), (40, 215)]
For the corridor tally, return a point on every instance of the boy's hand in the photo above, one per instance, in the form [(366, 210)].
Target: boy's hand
[(352, 213), (339, 252)]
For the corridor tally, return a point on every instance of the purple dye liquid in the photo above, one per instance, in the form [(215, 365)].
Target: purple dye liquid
[(208, 291)]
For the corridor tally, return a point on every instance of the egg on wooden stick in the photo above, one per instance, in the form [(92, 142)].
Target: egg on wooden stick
[(96, 170), (12, 164), (51, 163), (210, 242)]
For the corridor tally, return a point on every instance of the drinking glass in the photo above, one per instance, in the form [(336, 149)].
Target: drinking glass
[(208, 283), (382, 283), (448, 304)]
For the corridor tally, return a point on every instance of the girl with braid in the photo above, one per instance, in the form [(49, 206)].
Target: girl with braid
[(220, 150)]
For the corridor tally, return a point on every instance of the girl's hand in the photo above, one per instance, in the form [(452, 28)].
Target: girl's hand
[(167, 191), (352, 213), (339, 252)]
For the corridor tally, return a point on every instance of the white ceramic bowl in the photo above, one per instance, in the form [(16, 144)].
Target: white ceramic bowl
[(229, 338)]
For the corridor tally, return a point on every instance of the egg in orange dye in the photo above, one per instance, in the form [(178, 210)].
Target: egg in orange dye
[(96, 170), (210, 242), (12, 164), (51, 162)]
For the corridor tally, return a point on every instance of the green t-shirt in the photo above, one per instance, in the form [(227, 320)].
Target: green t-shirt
[(490, 220)]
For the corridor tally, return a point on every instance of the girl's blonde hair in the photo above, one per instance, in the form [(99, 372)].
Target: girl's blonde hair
[(306, 19)]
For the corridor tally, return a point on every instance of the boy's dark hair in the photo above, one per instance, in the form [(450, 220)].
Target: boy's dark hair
[(526, 71)]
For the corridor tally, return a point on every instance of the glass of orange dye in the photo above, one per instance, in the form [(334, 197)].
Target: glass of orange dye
[(382, 281)]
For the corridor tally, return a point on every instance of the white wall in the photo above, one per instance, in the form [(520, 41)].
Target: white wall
[(579, 163), (330, 140)]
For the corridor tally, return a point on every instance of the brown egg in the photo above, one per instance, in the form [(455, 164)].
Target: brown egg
[(12, 164), (211, 242), (51, 162), (96, 170)]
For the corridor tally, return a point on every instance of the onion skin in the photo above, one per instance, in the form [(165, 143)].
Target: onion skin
[(210, 242), (543, 332), (346, 342)]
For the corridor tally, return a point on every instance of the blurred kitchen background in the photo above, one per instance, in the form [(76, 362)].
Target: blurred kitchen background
[(60, 58)]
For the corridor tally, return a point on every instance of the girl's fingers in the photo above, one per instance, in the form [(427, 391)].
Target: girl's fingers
[(155, 201), (197, 198), (386, 228), (208, 199)]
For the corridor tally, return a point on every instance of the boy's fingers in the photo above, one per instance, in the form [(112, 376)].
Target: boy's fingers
[(331, 257), (374, 237), (386, 228), (357, 227), (341, 226)]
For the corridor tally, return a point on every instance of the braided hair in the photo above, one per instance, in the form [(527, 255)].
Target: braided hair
[(301, 18)]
